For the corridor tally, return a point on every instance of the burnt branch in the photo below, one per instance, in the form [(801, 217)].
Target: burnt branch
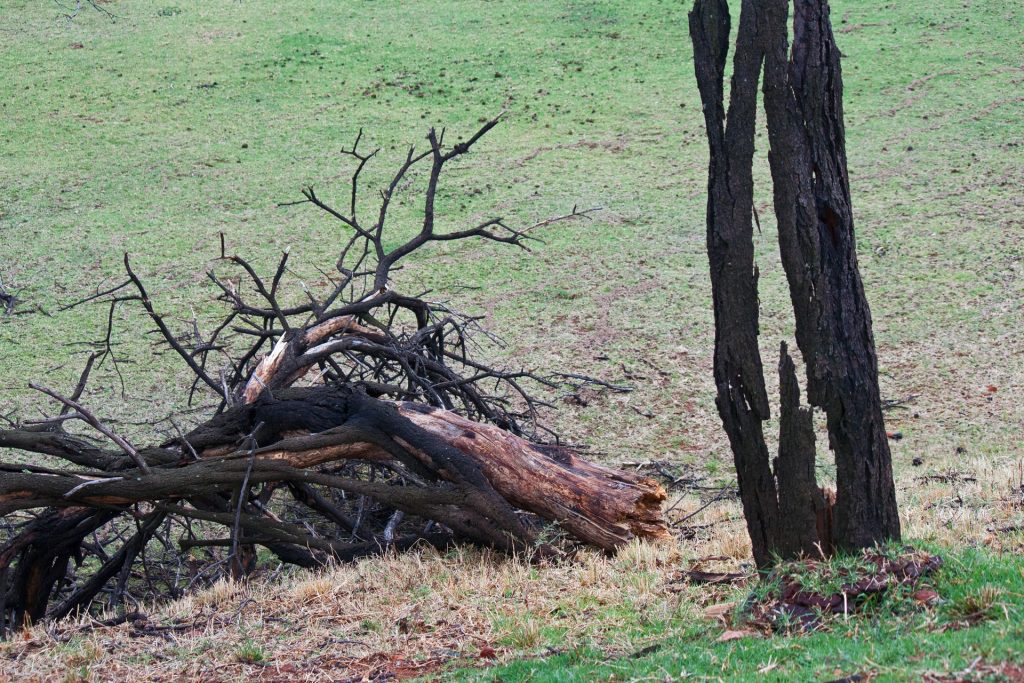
[(71, 12), (83, 414), (7, 300)]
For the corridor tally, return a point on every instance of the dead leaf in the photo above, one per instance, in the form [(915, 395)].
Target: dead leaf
[(736, 635), (718, 611), (487, 652)]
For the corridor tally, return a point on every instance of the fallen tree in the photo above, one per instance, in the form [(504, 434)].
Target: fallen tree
[(350, 422)]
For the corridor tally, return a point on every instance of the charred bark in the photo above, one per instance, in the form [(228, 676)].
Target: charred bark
[(742, 399), (803, 103), (801, 502), (445, 460), (469, 478), (41, 554)]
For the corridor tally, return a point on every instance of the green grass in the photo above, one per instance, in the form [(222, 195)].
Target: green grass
[(250, 652), (894, 640), (180, 121)]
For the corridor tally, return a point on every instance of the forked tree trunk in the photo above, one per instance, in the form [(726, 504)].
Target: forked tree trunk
[(803, 98)]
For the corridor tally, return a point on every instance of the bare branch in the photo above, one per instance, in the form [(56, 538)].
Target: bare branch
[(302, 411), (94, 422), (168, 336)]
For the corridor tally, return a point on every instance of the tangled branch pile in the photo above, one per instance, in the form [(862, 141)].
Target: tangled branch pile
[(354, 421)]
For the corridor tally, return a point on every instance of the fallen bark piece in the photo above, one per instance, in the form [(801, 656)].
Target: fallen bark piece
[(736, 635), (696, 576)]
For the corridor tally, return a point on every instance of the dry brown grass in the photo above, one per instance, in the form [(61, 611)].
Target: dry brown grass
[(413, 614), (408, 613)]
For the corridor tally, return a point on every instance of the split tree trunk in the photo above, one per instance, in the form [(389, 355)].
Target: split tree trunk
[(803, 99), (599, 505)]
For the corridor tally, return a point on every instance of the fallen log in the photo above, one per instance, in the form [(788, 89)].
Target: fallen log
[(349, 424), (599, 505), (594, 504), (469, 477)]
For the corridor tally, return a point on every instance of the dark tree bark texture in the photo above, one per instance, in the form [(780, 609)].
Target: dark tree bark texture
[(804, 107), (803, 103), (742, 399)]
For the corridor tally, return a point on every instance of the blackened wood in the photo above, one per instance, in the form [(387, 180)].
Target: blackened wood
[(466, 475), (803, 101), (742, 399), (60, 444), (800, 498), (435, 470), (43, 551), (82, 597)]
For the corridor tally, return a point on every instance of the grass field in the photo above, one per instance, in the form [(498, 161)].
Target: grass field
[(179, 121)]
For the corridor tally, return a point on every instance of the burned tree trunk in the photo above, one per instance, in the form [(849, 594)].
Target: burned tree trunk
[(801, 502), (742, 400), (804, 106), (361, 406), (803, 101)]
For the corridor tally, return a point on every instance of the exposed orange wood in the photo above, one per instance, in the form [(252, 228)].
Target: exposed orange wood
[(597, 504)]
